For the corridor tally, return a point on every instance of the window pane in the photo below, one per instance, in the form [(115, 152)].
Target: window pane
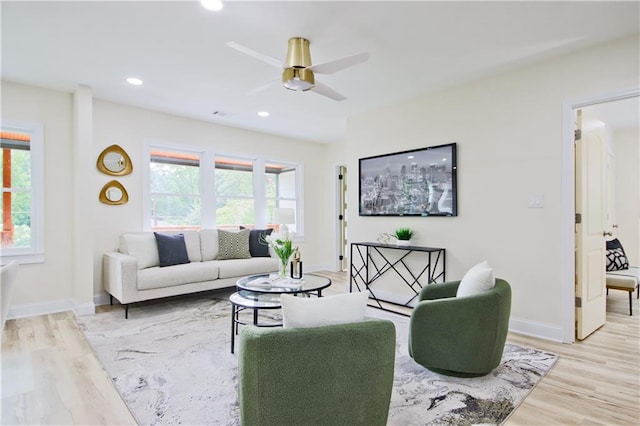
[(16, 229), (234, 177), (234, 212), (175, 190), (287, 184), (234, 192), (174, 211), (15, 173)]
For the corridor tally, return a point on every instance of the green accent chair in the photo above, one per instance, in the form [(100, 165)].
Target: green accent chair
[(329, 375), (460, 336)]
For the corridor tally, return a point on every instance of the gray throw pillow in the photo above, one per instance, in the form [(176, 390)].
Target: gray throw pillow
[(171, 249), (233, 245)]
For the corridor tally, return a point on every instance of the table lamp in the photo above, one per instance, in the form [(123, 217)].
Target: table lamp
[(284, 216)]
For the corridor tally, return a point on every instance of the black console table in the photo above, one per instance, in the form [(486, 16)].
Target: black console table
[(370, 262)]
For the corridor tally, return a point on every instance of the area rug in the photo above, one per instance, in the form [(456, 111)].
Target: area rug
[(172, 364)]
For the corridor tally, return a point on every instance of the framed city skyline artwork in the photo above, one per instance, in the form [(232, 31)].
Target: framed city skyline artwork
[(419, 182)]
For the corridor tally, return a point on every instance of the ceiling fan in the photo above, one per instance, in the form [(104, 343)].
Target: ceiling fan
[(297, 72)]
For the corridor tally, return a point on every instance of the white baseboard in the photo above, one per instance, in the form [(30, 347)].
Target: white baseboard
[(536, 329), (84, 309), (102, 299), (45, 308)]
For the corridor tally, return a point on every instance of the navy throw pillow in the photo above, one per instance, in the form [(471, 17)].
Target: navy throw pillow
[(171, 249), (257, 246)]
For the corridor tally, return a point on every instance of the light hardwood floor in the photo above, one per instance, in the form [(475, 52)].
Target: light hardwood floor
[(51, 376)]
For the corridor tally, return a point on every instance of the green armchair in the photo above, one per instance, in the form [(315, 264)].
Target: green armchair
[(460, 336), (330, 375)]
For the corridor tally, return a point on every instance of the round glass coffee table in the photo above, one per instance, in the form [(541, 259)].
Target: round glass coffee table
[(262, 292)]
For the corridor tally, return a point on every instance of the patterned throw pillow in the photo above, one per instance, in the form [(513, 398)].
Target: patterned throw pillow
[(616, 260), (233, 245)]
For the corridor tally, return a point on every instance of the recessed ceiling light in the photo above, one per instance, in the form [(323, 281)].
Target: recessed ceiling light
[(263, 114), (134, 81), (214, 5), (411, 157)]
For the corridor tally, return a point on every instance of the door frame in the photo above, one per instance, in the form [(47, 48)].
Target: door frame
[(568, 202), (336, 221)]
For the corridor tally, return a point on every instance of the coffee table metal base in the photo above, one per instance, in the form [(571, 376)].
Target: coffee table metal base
[(243, 300)]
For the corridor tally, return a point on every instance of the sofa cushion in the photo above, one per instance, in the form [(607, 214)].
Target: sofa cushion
[(171, 249), (170, 276), (209, 244), (477, 280), (233, 245), (320, 311), (142, 246), (242, 267)]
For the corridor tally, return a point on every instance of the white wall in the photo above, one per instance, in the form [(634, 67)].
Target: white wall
[(48, 283), (509, 134), (129, 127), (627, 193)]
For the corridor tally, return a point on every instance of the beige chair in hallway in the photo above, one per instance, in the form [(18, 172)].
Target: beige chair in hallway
[(626, 280)]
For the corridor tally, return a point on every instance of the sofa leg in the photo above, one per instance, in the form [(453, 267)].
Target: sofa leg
[(126, 311), (630, 299), (111, 300)]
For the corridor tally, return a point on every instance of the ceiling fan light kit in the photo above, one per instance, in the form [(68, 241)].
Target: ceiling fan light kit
[(299, 79)]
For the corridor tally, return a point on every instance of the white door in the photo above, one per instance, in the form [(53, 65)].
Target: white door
[(590, 157)]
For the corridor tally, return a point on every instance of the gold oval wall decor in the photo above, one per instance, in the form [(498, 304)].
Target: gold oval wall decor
[(114, 161), (113, 193)]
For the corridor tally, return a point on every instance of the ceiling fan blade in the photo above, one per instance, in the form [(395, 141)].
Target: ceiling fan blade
[(339, 64), (263, 87), (257, 55), (324, 90)]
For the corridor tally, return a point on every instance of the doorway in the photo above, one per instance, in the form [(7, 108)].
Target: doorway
[(569, 196), (341, 215)]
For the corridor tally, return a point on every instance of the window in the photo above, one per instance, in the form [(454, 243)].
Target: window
[(201, 189), (281, 189), (174, 186), (22, 172), (235, 204)]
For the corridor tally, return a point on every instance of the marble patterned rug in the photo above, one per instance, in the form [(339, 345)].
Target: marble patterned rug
[(171, 363)]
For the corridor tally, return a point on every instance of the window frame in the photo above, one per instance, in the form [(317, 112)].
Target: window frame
[(207, 181), (36, 252)]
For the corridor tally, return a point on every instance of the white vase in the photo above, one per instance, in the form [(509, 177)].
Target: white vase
[(403, 243)]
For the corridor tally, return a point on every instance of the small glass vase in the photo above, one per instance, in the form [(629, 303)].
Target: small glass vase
[(284, 267)]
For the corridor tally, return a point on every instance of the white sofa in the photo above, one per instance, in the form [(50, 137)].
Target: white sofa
[(132, 274)]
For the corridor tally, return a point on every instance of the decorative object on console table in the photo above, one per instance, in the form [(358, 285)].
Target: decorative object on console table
[(296, 265), (403, 236), (284, 216), (394, 275)]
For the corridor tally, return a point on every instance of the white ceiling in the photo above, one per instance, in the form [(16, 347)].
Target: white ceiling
[(179, 50)]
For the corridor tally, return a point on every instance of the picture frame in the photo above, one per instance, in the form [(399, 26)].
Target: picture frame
[(417, 182)]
